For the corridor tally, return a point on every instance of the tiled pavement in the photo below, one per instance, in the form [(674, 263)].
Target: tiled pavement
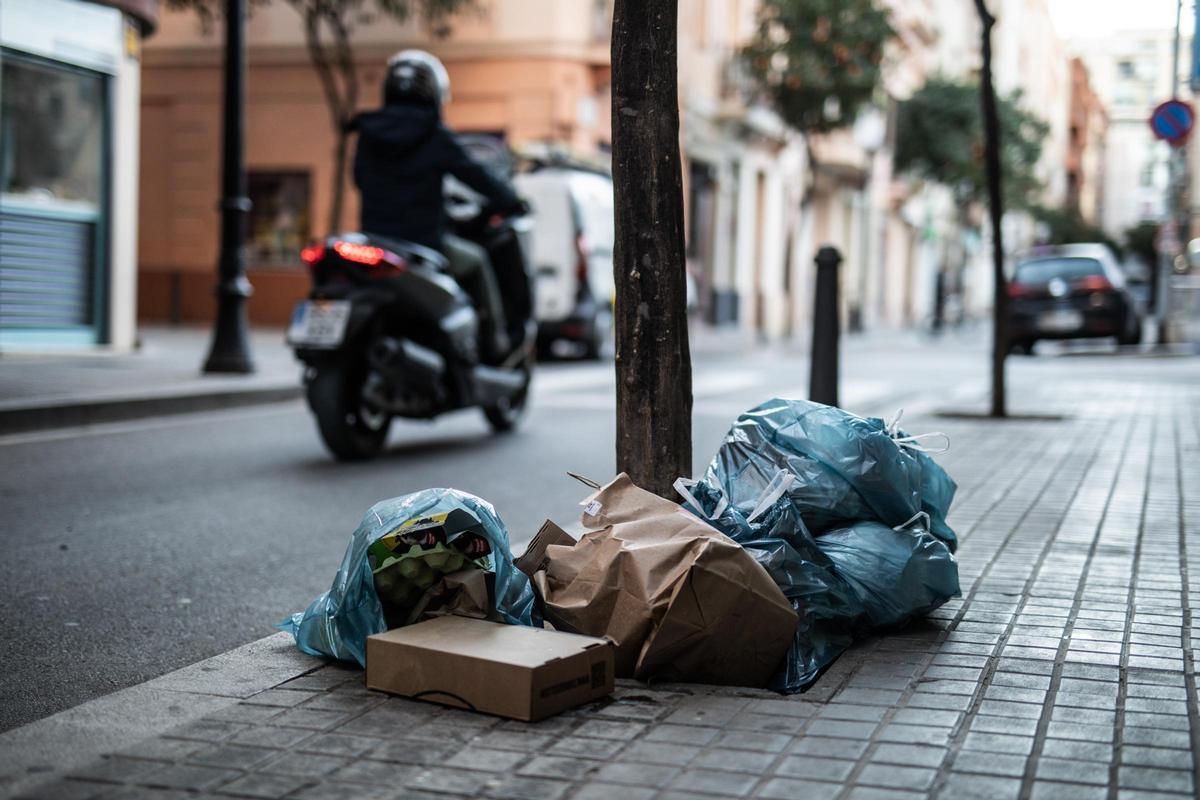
[(1065, 671)]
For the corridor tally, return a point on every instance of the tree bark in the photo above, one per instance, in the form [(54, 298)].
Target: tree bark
[(653, 361), (991, 133)]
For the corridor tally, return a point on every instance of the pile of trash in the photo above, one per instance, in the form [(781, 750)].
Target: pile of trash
[(811, 527)]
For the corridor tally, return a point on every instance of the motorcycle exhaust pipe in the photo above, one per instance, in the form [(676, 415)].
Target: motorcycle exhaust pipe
[(493, 385), (407, 363)]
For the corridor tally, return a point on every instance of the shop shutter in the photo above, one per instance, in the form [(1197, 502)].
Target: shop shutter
[(45, 272)]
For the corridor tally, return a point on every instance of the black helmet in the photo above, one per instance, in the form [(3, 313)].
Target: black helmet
[(415, 76)]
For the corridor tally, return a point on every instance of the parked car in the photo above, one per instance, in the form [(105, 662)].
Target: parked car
[(572, 255), (1071, 292)]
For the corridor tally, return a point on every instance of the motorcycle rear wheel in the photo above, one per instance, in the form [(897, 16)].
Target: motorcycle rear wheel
[(351, 432)]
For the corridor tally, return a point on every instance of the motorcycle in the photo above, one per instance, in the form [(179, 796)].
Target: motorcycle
[(386, 332)]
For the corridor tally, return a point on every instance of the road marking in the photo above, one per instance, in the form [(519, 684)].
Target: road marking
[(150, 423)]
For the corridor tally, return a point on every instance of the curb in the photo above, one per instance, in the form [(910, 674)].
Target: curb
[(38, 751), (70, 413)]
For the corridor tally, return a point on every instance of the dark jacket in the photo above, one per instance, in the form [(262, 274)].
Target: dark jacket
[(403, 153)]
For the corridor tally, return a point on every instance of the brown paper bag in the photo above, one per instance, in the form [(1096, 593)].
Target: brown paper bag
[(682, 601)]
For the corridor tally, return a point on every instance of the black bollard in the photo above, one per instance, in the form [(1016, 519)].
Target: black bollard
[(823, 369)]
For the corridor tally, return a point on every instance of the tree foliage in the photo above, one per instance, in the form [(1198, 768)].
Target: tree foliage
[(329, 27), (1141, 240), (939, 137), (1066, 226), (818, 61)]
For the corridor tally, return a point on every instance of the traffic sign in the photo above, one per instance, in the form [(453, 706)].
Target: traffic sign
[(1172, 121)]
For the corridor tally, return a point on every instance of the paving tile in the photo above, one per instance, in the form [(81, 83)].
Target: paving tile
[(609, 791), (828, 769), (962, 786), (893, 776), (637, 774), (792, 789), (520, 787), (268, 786), (716, 782)]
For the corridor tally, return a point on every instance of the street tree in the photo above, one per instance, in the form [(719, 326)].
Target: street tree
[(995, 192), (818, 61), (961, 135), (653, 361), (940, 137), (329, 27)]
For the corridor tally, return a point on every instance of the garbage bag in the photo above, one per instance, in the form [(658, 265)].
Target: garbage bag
[(847, 468), (894, 573), (827, 609), (338, 622)]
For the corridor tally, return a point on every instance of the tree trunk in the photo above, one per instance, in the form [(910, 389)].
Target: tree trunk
[(991, 132), (339, 180), (653, 362)]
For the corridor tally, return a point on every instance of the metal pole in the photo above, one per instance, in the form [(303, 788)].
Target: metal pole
[(230, 348), (1162, 300), (823, 369)]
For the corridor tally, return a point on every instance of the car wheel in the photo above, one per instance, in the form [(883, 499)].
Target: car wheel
[(1133, 332), (1023, 348)]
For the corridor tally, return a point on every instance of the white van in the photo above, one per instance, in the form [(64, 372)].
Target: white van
[(572, 255)]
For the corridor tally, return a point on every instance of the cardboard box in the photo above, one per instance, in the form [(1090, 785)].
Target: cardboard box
[(534, 558), (508, 670)]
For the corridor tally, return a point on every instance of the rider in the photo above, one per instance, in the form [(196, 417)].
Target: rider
[(404, 152)]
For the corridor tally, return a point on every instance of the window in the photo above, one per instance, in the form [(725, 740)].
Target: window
[(279, 218), (52, 135)]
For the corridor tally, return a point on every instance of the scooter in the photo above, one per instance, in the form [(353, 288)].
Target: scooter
[(386, 333)]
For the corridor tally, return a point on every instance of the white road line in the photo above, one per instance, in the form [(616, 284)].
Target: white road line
[(150, 423)]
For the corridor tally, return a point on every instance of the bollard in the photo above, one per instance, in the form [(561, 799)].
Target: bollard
[(823, 369)]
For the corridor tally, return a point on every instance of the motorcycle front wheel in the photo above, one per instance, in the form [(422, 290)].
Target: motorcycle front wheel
[(351, 431)]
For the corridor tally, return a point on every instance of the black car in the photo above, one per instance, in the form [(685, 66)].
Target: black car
[(1071, 292)]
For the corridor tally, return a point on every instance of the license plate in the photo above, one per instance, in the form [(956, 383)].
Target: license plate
[(319, 323), (1064, 319)]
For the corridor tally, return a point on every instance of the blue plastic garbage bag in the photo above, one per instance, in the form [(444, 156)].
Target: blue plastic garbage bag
[(847, 468), (338, 622), (774, 534), (894, 573)]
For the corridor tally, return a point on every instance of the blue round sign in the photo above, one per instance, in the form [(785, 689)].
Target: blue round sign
[(1172, 121)]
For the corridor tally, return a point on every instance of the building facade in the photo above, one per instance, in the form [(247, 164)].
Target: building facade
[(1131, 74), (69, 107), (527, 70)]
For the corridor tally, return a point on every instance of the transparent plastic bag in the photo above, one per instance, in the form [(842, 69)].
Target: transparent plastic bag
[(338, 622)]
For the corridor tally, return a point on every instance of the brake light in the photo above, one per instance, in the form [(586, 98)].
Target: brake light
[(1016, 290), (359, 253), (312, 254), (581, 260), (1093, 283)]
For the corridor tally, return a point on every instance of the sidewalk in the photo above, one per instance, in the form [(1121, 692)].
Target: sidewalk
[(40, 390), (1065, 671)]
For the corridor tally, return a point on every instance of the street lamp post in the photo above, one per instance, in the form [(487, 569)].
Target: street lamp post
[(230, 348)]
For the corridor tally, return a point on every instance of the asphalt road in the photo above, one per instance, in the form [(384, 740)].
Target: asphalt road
[(133, 549)]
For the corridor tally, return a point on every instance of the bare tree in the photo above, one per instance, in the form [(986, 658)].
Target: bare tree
[(653, 361)]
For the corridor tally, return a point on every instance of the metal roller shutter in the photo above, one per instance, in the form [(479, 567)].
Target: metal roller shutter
[(46, 272)]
